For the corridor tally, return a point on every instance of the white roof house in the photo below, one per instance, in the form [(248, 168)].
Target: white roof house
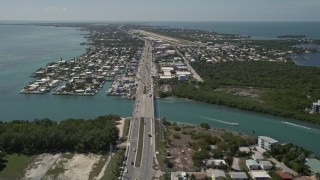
[(216, 174), (252, 164), (238, 175), (164, 69), (258, 156), (259, 175), (266, 165), (244, 149)]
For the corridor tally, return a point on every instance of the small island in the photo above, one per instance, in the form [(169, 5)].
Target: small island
[(293, 36)]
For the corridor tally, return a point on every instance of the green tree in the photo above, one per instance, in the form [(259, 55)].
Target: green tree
[(205, 125)]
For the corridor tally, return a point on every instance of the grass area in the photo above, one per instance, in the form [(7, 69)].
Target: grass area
[(242, 164), (96, 169), (140, 144), (160, 146), (126, 128), (112, 171), (15, 165)]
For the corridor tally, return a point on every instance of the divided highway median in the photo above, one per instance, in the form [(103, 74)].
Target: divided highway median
[(140, 143)]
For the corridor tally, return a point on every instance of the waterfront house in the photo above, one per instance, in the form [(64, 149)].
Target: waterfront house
[(266, 143), (314, 165), (316, 107)]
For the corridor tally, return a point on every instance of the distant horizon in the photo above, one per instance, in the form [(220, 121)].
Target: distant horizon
[(156, 21), (165, 10)]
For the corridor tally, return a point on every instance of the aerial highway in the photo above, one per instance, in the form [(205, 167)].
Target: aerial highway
[(143, 109)]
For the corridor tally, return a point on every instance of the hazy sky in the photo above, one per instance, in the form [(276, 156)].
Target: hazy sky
[(161, 10)]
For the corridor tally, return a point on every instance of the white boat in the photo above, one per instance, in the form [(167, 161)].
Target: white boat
[(235, 124)]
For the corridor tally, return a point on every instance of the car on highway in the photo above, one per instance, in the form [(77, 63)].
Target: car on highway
[(132, 163), (126, 170), (149, 135)]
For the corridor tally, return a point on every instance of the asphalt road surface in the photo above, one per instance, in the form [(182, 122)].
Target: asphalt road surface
[(144, 107)]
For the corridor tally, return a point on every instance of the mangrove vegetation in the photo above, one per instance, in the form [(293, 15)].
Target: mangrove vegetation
[(279, 88)]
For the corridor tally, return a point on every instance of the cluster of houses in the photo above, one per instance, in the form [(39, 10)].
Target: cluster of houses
[(229, 51), (169, 63), (87, 74), (124, 83), (214, 47), (257, 167)]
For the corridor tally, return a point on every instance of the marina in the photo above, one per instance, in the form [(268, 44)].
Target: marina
[(85, 75)]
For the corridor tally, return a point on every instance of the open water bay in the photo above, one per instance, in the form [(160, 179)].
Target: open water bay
[(284, 130), (24, 49)]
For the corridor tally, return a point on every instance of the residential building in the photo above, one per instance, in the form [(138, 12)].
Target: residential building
[(183, 175), (182, 77), (265, 165), (258, 157), (284, 175), (252, 164), (314, 165), (266, 143), (244, 150), (316, 107), (259, 175), (238, 175), (218, 175)]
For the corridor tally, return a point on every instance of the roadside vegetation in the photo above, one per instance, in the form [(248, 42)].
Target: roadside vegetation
[(48, 136), (113, 170), (30, 137), (277, 88)]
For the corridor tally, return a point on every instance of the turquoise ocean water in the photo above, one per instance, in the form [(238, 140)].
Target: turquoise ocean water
[(25, 48)]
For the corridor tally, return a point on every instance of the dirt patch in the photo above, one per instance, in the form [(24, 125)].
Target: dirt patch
[(79, 167), (178, 151), (62, 166), (120, 126), (241, 91), (41, 166)]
